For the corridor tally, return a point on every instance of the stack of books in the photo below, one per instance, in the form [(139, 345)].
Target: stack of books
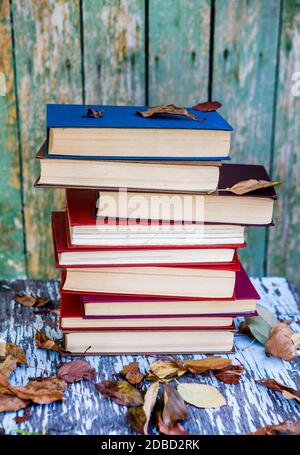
[(148, 242)]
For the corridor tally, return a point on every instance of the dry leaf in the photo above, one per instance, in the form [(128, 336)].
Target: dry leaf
[(176, 429), (12, 349), (8, 400), (246, 186), (44, 342), (174, 407), (132, 373), (43, 391), (287, 392), (244, 328), (167, 109), (121, 392), (260, 326), (207, 106), (230, 374), (282, 342), (201, 395), (164, 371), (202, 365), (92, 113), (30, 300), (8, 366), (76, 370), (290, 427), (139, 417), (23, 418)]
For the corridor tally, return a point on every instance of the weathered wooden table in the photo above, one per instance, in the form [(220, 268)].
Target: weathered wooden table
[(85, 411)]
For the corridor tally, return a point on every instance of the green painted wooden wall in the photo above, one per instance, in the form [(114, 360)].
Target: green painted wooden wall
[(243, 53)]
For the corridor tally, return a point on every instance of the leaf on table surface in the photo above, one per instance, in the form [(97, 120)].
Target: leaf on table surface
[(201, 395), (30, 300), (202, 365), (8, 366), (208, 106), (246, 186), (282, 342), (230, 374), (76, 370), (164, 371), (290, 427), (287, 392), (43, 391), (42, 341), (167, 109), (139, 417), (11, 349), (260, 326), (176, 429), (23, 418), (8, 400), (121, 392), (132, 373), (174, 407)]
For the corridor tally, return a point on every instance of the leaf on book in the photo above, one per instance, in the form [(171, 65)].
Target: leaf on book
[(132, 373), (287, 392), (174, 407), (282, 342), (8, 366), (139, 417), (201, 395), (176, 429), (202, 365), (30, 300), (121, 392), (41, 390), (290, 427), (164, 371), (76, 370), (167, 109), (261, 325), (42, 341), (230, 374), (92, 113), (12, 349), (208, 106), (246, 186)]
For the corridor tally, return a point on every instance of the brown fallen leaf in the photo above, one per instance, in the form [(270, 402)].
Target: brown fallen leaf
[(76, 370), (176, 429), (92, 113), (30, 300), (207, 106), (42, 341), (167, 109), (121, 392), (174, 407), (132, 373), (8, 366), (282, 342), (230, 374), (164, 371), (290, 427), (202, 365), (20, 419), (11, 349), (246, 186), (8, 400), (287, 392), (244, 329), (139, 417), (39, 391)]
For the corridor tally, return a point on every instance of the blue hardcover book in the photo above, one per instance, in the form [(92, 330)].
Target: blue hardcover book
[(122, 133)]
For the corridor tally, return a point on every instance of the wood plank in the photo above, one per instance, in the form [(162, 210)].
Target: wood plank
[(284, 240), (12, 257), (48, 67), (85, 411), (179, 33), (245, 51), (114, 51)]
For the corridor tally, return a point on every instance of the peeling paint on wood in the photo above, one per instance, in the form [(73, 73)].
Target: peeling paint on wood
[(244, 67), (178, 51), (284, 241), (85, 411), (12, 257)]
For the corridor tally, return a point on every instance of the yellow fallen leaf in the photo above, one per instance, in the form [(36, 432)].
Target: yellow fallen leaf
[(201, 395), (246, 186)]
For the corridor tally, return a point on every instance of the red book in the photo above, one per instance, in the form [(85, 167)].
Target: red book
[(67, 255)]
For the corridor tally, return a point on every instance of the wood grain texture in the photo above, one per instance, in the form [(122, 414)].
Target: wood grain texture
[(244, 68), (85, 411), (114, 51), (284, 245), (48, 68), (12, 256), (178, 37)]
